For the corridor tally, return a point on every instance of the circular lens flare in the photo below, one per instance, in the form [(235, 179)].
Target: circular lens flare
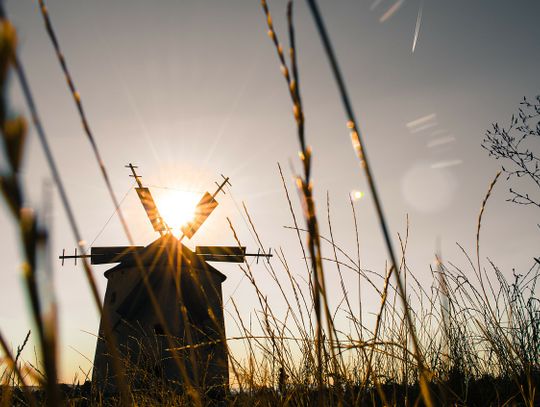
[(177, 208), (356, 195)]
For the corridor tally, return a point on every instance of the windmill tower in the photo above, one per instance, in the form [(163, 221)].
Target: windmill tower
[(164, 305)]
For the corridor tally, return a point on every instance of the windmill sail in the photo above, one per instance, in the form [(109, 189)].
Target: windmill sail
[(231, 254), (115, 254), (151, 209), (204, 208)]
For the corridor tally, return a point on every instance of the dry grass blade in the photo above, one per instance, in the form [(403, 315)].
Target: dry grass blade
[(359, 148), (86, 126), (32, 236), (13, 364), (305, 186), (21, 76), (82, 114), (291, 210), (21, 348), (479, 224), (34, 239)]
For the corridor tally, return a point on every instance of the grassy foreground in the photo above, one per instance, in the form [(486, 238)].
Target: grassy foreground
[(468, 337)]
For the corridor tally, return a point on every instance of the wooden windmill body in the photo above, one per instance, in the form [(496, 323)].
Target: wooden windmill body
[(165, 277), (178, 278)]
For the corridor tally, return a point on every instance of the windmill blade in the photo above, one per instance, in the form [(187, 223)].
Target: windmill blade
[(116, 254), (151, 209), (205, 207), (231, 254), (148, 203), (104, 255)]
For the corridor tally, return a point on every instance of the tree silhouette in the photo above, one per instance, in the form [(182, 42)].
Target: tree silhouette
[(518, 146)]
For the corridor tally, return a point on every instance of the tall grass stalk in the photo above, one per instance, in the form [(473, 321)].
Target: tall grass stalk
[(17, 371), (142, 271), (33, 236), (358, 145), (21, 76), (305, 187)]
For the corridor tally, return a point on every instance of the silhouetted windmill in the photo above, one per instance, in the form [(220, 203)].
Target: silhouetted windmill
[(185, 288)]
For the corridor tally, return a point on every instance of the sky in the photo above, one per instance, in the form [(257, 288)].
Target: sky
[(191, 90)]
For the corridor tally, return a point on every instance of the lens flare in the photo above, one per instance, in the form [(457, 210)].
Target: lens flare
[(356, 195), (177, 208)]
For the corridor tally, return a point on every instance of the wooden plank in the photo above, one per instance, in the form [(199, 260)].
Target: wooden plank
[(114, 254), (205, 207), (151, 209), (230, 254)]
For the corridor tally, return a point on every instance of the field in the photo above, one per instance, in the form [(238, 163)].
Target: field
[(468, 335)]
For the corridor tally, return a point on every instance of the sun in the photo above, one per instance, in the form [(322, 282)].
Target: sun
[(177, 208)]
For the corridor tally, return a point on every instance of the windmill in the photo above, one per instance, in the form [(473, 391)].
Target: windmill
[(184, 287)]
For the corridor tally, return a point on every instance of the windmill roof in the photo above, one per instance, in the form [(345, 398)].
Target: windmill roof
[(157, 256)]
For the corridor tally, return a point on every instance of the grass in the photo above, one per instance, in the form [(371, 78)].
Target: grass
[(461, 340)]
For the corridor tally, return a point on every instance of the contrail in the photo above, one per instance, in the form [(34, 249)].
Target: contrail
[(417, 29)]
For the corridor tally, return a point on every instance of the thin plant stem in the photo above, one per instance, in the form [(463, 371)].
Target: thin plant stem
[(358, 145)]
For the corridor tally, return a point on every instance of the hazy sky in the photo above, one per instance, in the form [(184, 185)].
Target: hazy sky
[(189, 90)]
